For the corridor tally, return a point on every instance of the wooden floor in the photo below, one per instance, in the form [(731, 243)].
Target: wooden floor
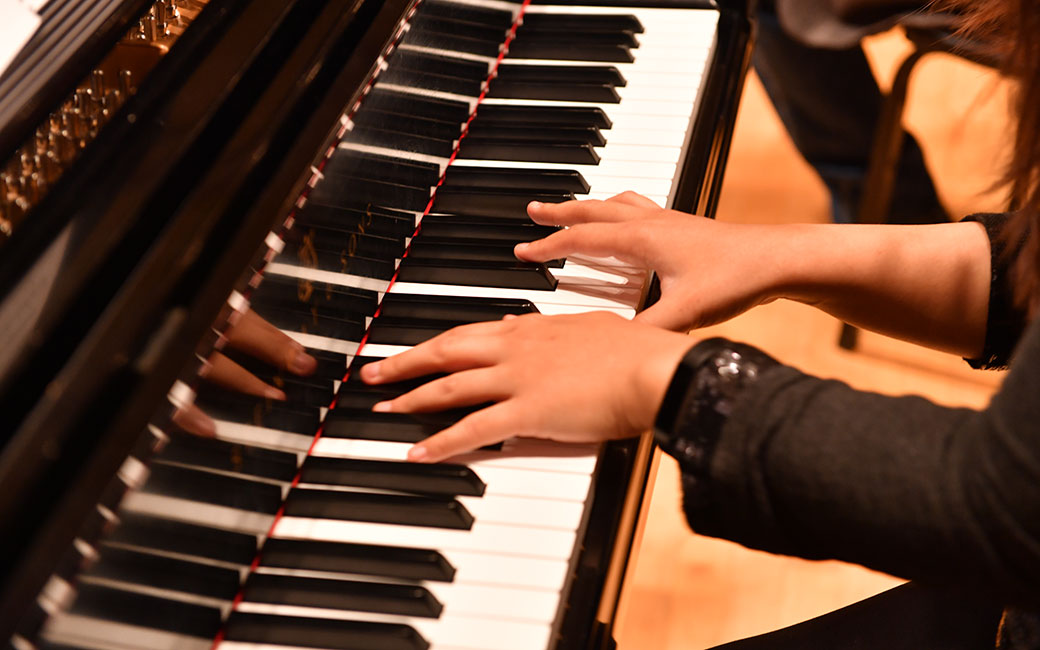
[(690, 592)]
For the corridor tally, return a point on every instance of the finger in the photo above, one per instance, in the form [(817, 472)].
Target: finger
[(635, 200), (485, 427), (461, 348), (193, 420), (593, 239), (255, 336), (666, 314), (570, 213), (465, 388), (224, 372)]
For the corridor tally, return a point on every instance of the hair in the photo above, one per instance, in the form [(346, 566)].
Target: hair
[(1012, 29)]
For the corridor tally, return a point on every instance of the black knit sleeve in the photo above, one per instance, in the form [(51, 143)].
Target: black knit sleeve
[(1004, 320), (810, 467)]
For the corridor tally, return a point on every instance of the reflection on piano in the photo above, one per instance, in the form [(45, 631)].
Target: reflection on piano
[(299, 525)]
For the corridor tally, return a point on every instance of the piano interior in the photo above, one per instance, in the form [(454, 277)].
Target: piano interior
[(356, 173)]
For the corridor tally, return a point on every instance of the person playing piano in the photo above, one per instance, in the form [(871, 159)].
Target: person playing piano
[(774, 458)]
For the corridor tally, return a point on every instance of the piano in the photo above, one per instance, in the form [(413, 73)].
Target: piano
[(356, 172)]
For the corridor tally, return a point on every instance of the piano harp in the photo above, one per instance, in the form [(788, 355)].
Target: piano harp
[(282, 153)]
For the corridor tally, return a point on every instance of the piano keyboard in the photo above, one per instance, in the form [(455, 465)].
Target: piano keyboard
[(268, 537)]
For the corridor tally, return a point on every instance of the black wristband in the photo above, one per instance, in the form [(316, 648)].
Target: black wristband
[(699, 399)]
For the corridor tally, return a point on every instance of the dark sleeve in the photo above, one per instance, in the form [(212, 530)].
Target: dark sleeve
[(810, 467), (1004, 320)]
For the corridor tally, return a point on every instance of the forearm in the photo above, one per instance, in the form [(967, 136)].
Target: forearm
[(926, 284)]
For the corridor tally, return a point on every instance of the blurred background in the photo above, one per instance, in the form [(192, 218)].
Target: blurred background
[(691, 592)]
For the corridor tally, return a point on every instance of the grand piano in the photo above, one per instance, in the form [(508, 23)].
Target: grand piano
[(355, 172)]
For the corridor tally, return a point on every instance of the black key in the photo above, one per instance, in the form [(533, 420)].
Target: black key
[(321, 324), (380, 508), (513, 114), (341, 194), (406, 123), (330, 364), (439, 478), (486, 251), (112, 604), (166, 573), (492, 17), (351, 163), (409, 142), (388, 427), (413, 78), (405, 600), (491, 203), (509, 275), (183, 538), (362, 559), (284, 292), (217, 489), (455, 309), (188, 449), (554, 90), (257, 411), (516, 179), (457, 228), (570, 51), (555, 34), (362, 396), (480, 148), (579, 22), (607, 75), (322, 633), (549, 134), (367, 219), (443, 110)]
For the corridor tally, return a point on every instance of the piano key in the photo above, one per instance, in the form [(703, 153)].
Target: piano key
[(542, 179), (538, 49), (456, 310), (432, 27), (493, 149), (441, 65), (351, 240), (536, 16), (470, 13), (350, 558), (89, 633), (405, 141), (543, 543), (511, 275), (396, 427), (603, 296), (427, 107), (405, 197), (322, 324), (544, 134), (318, 632), (523, 113), (257, 411), (192, 450), (528, 34), (570, 91), (515, 454), (402, 509), (348, 163), (440, 478), (198, 513), (406, 600), (166, 573), (493, 203), (447, 228), (373, 220), (450, 631), (598, 74)]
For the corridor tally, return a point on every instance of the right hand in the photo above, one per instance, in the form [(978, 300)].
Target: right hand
[(709, 271)]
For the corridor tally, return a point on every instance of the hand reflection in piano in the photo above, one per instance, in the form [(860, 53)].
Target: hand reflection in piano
[(256, 337)]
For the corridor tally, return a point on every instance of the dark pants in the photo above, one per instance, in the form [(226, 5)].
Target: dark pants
[(829, 102), (909, 617)]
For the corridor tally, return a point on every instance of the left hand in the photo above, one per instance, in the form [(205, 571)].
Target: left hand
[(581, 378)]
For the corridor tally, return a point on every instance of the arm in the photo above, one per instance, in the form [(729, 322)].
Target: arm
[(927, 284)]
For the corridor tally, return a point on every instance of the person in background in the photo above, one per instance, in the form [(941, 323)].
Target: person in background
[(771, 457)]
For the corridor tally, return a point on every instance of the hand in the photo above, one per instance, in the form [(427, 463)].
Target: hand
[(709, 271), (255, 336), (579, 378)]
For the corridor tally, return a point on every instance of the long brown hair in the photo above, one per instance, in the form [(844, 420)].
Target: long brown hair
[(1012, 27)]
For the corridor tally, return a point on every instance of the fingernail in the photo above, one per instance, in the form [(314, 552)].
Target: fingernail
[(370, 371), (534, 205), (509, 317), (382, 407), (303, 363), (522, 246), (417, 453), (273, 393)]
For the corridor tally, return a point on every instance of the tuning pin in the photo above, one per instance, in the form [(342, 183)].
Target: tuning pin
[(125, 84), (173, 12)]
